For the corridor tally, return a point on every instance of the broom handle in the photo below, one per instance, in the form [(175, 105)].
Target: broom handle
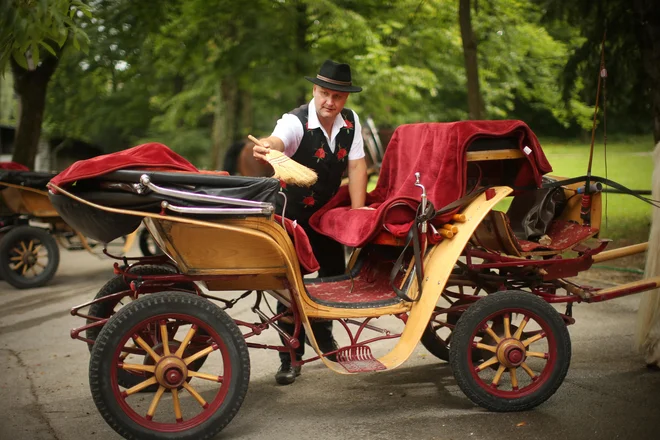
[(255, 140)]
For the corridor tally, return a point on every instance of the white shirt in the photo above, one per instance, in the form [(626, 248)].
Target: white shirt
[(290, 131)]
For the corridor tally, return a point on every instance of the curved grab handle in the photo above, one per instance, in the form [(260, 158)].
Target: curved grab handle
[(418, 184)]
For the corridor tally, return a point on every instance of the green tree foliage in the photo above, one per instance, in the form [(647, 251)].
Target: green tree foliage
[(632, 51), (33, 35), (197, 74)]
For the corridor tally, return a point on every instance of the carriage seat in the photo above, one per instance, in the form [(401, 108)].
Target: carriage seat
[(441, 153), (366, 285), (494, 233)]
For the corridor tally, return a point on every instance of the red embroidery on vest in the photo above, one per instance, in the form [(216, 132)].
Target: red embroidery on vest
[(319, 154), (309, 201)]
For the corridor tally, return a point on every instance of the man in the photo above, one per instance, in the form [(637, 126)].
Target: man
[(324, 136)]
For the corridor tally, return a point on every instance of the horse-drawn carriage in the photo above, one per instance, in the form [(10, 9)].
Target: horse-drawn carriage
[(31, 228), (478, 286)]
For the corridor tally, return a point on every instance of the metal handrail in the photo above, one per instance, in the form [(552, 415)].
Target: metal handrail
[(146, 181)]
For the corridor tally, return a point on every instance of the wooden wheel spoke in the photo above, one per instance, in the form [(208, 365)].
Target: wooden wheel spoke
[(487, 347), (528, 370), (177, 405), (17, 258), (23, 247), (186, 341), (533, 339), (20, 263), (486, 364), (492, 334), (37, 248), (154, 402), (164, 338), (498, 376), (146, 347), (139, 387), (195, 394), (17, 251), (205, 376), (514, 378), (200, 354), (34, 271), (25, 269), (519, 332), (507, 326), (43, 266), (30, 246), (138, 367), (537, 354)]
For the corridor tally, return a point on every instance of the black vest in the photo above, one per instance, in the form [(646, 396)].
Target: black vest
[(314, 152)]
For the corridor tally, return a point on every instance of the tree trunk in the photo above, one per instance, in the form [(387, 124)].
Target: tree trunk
[(302, 48), (223, 120), (648, 15), (475, 101), (245, 124), (31, 87)]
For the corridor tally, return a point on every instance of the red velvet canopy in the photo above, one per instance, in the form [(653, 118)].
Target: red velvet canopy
[(151, 156), (438, 152), (13, 166)]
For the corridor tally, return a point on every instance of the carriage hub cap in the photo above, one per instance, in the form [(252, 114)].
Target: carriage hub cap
[(511, 353), (171, 372)]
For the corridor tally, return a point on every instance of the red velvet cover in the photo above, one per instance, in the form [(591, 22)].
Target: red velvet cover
[(301, 243), (437, 151), (13, 166), (149, 156)]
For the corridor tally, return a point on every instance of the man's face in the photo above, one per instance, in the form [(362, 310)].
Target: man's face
[(328, 102)]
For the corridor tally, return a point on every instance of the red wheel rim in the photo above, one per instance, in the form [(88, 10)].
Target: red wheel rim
[(510, 357), (205, 412)]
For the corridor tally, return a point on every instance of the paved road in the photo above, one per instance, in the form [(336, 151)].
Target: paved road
[(44, 392)]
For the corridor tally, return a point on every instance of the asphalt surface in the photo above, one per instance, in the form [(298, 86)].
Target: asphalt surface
[(44, 389)]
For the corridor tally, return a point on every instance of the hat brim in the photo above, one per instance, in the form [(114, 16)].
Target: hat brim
[(331, 86)]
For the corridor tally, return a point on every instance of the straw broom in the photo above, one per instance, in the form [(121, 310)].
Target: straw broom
[(287, 169)]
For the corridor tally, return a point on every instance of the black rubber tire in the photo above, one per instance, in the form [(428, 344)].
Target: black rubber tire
[(434, 343), (462, 343), (146, 241), (147, 307), (22, 234), (105, 309)]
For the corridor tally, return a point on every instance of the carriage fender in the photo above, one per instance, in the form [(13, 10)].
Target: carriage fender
[(438, 266)]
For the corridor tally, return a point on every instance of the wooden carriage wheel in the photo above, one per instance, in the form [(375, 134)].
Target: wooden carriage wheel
[(114, 302), (179, 409), (29, 257), (525, 349)]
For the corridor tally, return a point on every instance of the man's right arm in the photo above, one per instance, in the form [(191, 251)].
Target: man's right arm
[(270, 142), (286, 137)]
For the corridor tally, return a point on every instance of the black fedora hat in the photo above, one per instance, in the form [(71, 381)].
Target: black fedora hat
[(335, 76)]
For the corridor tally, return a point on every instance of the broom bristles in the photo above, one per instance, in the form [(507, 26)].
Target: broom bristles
[(287, 169)]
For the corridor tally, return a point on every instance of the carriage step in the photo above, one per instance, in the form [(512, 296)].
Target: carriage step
[(358, 359)]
